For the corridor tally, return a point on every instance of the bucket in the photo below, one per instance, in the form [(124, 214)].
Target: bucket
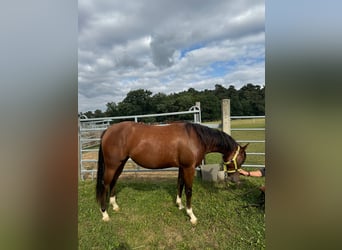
[(209, 172), (221, 176)]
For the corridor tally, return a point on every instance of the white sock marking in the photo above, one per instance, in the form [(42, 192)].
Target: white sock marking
[(193, 218), (105, 216), (179, 203), (112, 200)]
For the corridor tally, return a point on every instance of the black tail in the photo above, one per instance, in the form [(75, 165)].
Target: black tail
[(100, 188)]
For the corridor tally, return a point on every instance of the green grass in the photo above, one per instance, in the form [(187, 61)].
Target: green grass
[(149, 218), (248, 123)]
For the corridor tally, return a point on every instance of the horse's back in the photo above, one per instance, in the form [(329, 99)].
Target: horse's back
[(131, 134), (115, 137), (118, 130)]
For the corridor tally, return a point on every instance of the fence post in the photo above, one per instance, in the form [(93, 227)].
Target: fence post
[(225, 107), (198, 115), (79, 150)]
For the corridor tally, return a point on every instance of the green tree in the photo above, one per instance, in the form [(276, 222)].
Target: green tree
[(89, 114), (137, 102), (159, 103), (220, 92), (210, 106), (98, 113), (112, 109), (248, 100), (252, 99)]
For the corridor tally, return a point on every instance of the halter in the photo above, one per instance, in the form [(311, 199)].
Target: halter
[(230, 161)]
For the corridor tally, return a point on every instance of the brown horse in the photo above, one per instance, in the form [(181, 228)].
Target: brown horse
[(181, 145)]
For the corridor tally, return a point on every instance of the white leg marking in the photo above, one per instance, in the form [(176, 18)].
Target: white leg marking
[(105, 216), (193, 218), (179, 203), (112, 201)]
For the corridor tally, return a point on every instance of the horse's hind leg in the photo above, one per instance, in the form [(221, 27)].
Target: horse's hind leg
[(112, 199), (109, 173), (188, 179), (180, 186)]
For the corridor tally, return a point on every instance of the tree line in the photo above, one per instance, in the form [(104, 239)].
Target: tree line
[(249, 100)]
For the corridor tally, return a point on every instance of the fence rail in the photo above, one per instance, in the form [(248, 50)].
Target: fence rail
[(91, 129)]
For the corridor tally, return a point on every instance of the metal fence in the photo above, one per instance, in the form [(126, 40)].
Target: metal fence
[(218, 125), (251, 141), (90, 131)]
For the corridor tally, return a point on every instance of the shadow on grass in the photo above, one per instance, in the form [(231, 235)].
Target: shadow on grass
[(122, 246), (149, 184), (246, 192)]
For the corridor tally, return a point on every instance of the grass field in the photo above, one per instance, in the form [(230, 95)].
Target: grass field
[(149, 218)]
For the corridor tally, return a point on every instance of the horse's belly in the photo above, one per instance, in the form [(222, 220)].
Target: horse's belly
[(161, 150), (154, 161), (155, 157)]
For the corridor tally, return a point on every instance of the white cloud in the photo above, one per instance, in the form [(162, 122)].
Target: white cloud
[(167, 46)]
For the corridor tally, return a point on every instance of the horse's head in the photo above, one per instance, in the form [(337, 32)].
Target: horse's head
[(232, 162)]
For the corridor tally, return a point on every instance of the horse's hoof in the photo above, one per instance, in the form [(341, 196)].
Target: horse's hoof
[(193, 221), (116, 209), (105, 216), (106, 219)]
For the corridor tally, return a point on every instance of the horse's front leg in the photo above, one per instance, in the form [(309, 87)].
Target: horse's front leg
[(188, 180), (180, 186)]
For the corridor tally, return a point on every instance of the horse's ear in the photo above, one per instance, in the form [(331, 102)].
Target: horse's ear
[(244, 147)]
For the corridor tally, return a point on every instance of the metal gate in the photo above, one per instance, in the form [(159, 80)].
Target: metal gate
[(89, 133), (252, 141)]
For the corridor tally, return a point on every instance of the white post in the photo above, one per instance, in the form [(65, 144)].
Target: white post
[(225, 107), (198, 116), (79, 151)]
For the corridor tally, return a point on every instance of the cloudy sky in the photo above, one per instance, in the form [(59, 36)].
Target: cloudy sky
[(167, 46)]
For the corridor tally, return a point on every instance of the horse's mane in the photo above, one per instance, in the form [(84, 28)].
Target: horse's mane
[(212, 137)]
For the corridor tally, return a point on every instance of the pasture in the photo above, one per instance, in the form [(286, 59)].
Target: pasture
[(149, 218)]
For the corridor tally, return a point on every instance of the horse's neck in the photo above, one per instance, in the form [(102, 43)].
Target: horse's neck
[(216, 149), (223, 148)]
